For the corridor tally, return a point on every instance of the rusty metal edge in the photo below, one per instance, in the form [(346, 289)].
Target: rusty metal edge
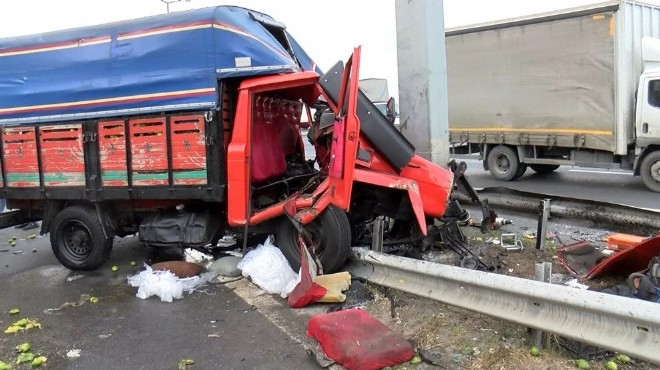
[(608, 321)]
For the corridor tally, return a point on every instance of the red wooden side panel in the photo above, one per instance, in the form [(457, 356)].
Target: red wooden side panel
[(62, 156), (188, 150), (149, 151), (112, 151), (20, 154)]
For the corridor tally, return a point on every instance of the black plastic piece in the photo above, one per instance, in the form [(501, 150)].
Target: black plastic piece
[(380, 132)]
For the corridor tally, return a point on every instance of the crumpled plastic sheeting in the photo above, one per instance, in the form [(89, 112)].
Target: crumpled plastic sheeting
[(165, 284), (269, 269)]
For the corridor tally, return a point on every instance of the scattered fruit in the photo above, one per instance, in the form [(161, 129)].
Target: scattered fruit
[(24, 357), (623, 359), (115, 268), (38, 361), (94, 299), (133, 263), (183, 364), (415, 360), (14, 311), (34, 250), (21, 348), (611, 365), (582, 364), (535, 351), (12, 243), (32, 236), (4, 366)]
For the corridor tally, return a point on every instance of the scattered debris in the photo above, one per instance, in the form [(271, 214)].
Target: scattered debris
[(356, 297), (619, 242), (105, 336), (84, 298), (18, 252), (226, 266), (74, 353), (14, 311), (4, 366), (24, 357), (23, 325), (575, 284), (335, 285), (94, 300), (38, 361), (306, 291), (165, 284), (269, 269), (195, 256), (319, 358), (181, 269), (184, 363), (74, 278), (24, 347)]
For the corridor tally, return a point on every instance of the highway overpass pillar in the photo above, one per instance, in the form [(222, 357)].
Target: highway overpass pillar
[(422, 64)]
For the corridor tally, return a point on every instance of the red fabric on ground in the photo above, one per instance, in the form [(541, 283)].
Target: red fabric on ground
[(307, 291), (357, 341)]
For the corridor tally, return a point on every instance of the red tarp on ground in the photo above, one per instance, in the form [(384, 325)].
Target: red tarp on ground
[(357, 341)]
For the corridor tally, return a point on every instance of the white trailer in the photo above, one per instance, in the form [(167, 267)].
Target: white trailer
[(577, 87)]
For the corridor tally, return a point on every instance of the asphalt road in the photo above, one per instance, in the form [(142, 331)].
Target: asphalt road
[(584, 183), (122, 331)]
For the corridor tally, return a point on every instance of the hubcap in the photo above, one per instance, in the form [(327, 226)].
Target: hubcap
[(503, 163), (655, 171), (76, 240)]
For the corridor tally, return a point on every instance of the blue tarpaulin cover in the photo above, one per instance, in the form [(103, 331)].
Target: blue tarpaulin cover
[(160, 63)]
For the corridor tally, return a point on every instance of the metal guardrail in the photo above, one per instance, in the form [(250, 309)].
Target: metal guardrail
[(608, 321)]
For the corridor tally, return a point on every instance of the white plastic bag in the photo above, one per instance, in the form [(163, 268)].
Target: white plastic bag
[(269, 269), (165, 284)]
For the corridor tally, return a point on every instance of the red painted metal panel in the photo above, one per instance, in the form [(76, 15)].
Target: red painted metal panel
[(148, 151), (20, 153), (188, 149), (62, 156), (112, 152)]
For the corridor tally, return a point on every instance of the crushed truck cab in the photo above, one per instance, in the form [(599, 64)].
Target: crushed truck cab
[(185, 128)]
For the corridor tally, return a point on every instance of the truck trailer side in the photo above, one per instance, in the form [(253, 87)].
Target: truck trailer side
[(557, 89)]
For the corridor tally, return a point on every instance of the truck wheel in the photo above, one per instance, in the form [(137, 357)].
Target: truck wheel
[(544, 168), (521, 171), (331, 231), (77, 239), (503, 163), (650, 171)]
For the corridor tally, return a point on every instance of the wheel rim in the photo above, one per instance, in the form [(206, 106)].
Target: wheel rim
[(503, 163), (655, 171), (315, 231), (76, 240)]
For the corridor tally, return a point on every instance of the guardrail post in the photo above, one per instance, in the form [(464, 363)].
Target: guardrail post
[(542, 227), (542, 272)]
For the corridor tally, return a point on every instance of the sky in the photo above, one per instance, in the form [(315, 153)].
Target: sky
[(327, 29)]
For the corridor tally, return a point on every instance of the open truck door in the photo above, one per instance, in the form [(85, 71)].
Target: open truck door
[(346, 135)]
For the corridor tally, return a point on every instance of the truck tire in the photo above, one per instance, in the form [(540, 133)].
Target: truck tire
[(521, 171), (330, 230), (544, 168), (503, 163), (650, 171), (77, 239)]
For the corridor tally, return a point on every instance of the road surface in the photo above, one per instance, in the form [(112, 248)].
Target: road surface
[(603, 185), (122, 331)]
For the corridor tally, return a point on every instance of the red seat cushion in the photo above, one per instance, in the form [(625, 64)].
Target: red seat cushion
[(357, 341), (268, 159)]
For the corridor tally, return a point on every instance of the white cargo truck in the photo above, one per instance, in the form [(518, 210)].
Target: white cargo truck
[(578, 87)]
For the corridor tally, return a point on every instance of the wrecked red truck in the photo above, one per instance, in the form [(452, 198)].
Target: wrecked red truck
[(185, 127)]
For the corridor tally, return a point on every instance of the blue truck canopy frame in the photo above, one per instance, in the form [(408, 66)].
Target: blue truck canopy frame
[(169, 62)]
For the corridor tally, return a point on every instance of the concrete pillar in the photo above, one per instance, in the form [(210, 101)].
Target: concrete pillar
[(423, 116)]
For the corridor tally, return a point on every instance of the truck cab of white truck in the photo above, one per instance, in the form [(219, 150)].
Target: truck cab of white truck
[(577, 87)]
